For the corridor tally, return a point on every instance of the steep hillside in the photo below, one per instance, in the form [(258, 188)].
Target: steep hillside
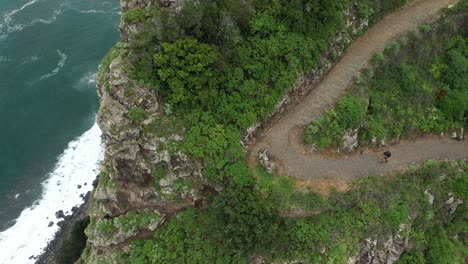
[(181, 95)]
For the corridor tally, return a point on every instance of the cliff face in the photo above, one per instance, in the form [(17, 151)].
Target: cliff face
[(142, 178)]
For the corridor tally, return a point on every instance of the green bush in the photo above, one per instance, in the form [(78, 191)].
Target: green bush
[(351, 111), (378, 58), (137, 115), (393, 48), (134, 15), (186, 73), (424, 28)]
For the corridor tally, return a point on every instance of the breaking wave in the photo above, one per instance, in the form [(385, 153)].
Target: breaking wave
[(78, 165)]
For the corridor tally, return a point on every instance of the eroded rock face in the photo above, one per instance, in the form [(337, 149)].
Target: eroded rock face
[(142, 168), (375, 251), (132, 153)]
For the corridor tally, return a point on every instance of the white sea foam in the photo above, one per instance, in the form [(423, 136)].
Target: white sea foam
[(29, 59), (78, 164), (92, 11), (46, 21), (89, 78), (60, 64), (8, 25), (4, 59), (86, 82)]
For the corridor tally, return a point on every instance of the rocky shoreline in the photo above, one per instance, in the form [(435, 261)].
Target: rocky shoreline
[(66, 225)]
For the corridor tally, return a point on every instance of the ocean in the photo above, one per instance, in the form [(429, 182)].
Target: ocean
[(50, 145)]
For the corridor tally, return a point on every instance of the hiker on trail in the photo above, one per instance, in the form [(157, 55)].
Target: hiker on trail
[(387, 154)]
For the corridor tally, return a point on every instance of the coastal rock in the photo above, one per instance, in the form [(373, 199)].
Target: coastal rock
[(59, 214), (142, 167), (61, 223)]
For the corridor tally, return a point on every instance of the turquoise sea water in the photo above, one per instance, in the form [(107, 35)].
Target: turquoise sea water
[(49, 53)]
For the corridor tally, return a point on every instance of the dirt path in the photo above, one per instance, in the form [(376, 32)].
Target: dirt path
[(323, 97)]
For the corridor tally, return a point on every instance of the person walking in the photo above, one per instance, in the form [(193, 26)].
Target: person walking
[(386, 155)]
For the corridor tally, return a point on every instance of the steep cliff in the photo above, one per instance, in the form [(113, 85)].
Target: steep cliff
[(144, 180)]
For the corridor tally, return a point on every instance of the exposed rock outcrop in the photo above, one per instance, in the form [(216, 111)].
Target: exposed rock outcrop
[(350, 140), (430, 196), (266, 161), (377, 251), (452, 203)]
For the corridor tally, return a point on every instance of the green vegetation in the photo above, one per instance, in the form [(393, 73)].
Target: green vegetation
[(185, 71), (116, 51), (137, 114), (127, 224), (425, 28), (418, 92), (134, 15), (240, 222)]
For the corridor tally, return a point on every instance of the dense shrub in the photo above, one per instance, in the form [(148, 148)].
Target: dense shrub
[(134, 15), (137, 114), (186, 73)]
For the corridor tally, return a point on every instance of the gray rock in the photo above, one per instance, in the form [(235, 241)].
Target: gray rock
[(350, 140), (265, 161), (430, 196), (376, 251), (452, 203), (59, 214)]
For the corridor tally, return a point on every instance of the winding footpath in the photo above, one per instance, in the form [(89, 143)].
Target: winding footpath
[(281, 138)]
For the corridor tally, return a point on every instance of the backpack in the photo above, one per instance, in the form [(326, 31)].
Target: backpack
[(388, 154)]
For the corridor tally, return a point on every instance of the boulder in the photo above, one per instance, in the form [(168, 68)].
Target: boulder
[(59, 214), (375, 251), (430, 196), (452, 203), (350, 140), (265, 161)]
